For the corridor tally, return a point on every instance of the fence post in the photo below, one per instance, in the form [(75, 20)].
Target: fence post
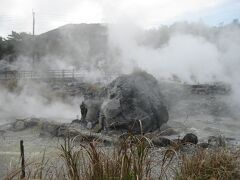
[(22, 159), (73, 74), (63, 74)]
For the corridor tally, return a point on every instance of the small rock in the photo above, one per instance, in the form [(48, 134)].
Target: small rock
[(203, 145), (32, 122), (169, 132), (76, 121), (230, 139), (51, 128), (19, 125), (218, 141), (189, 149), (166, 130), (64, 131), (161, 141), (190, 138)]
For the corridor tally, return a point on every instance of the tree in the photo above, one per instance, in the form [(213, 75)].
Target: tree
[(14, 44), (6, 48)]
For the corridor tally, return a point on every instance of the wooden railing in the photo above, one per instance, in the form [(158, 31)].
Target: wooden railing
[(47, 75)]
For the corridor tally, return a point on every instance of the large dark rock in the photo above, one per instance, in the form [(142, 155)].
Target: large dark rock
[(133, 102)]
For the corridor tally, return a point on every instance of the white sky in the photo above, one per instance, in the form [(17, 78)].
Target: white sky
[(17, 14)]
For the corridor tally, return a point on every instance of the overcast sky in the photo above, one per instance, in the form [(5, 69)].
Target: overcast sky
[(17, 14)]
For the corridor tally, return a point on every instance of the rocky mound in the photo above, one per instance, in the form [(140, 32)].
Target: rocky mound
[(133, 103)]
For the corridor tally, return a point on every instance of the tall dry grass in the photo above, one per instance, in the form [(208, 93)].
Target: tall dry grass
[(131, 159), (206, 165), (128, 160)]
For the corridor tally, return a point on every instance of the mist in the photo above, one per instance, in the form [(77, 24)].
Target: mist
[(34, 99), (192, 53), (183, 49)]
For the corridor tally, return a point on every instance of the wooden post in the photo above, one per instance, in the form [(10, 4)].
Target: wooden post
[(22, 160), (63, 74)]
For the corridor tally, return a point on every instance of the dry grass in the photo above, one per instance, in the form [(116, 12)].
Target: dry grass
[(128, 160), (205, 165), (131, 159)]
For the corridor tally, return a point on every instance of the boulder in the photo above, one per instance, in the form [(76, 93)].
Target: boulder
[(93, 111), (190, 138), (133, 103)]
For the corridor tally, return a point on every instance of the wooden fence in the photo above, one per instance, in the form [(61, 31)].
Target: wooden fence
[(45, 75)]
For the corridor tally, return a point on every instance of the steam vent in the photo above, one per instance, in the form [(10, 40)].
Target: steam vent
[(132, 103)]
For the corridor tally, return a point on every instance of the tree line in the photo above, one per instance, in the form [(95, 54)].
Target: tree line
[(12, 45)]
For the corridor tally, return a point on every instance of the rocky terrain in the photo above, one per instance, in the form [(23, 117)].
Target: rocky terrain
[(174, 113)]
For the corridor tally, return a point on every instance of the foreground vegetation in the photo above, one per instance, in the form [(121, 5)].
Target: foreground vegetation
[(207, 165), (134, 157)]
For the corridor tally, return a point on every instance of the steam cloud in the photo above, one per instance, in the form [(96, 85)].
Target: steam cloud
[(192, 52), (36, 100), (184, 49)]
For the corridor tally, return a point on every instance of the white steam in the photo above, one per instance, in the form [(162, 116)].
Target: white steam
[(193, 52), (36, 100)]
